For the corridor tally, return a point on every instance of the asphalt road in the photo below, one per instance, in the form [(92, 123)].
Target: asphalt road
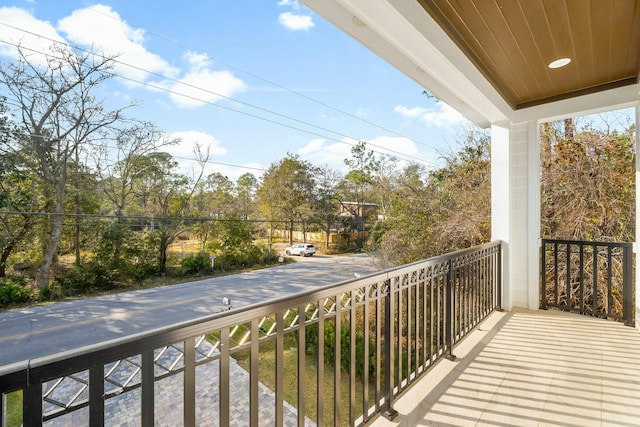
[(38, 331)]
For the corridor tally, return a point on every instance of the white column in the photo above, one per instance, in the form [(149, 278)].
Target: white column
[(637, 242), (515, 209), (533, 219), (500, 206)]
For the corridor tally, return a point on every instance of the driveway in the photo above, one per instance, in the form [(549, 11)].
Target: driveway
[(37, 331)]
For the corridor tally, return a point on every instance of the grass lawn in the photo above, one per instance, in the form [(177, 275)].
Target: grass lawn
[(267, 369), (14, 409)]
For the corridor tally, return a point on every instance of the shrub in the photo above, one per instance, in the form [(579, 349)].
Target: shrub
[(87, 278), (15, 291), (193, 264), (311, 341)]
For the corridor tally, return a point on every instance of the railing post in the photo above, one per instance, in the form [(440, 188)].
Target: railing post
[(389, 338), (32, 405), (96, 395), (189, 382), (627, 286), (543, 271), (499, 274), (450, 311), (148, 399)]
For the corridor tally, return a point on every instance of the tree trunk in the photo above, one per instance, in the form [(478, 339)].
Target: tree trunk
[(327, 235), (51, 248), (569, 129), (11, 245), (164, 245), (6, 251), (76, 239), (42, 279), (290, 232)]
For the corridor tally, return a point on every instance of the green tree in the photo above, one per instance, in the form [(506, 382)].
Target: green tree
[(57, 107), (19, 201), (122, 166), (245, 188), (357, 183), (214, 199), (287, 192), (435, 212), (326, 209), (166, 195)]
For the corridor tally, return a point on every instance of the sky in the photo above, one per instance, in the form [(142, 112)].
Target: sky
[(252, 80)]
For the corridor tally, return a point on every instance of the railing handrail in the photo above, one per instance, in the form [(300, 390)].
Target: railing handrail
[(467, 289), (228, 318), (589, 243)]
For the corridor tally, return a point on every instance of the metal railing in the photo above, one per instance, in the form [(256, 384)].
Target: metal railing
[(335, 356), (590, 278)]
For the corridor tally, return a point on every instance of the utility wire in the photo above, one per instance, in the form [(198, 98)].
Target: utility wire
[(145, 218), (163, 89), (270, 82)]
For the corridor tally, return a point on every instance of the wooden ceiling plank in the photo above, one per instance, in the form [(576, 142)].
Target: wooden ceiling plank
[(600, 30), (531, 58), (511, 42), (633, 53), (539, 27), (566, 78), (449, 19), (622, 23), (502, 51), (580, 26)]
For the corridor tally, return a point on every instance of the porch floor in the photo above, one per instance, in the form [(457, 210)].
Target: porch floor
[(527, 368)]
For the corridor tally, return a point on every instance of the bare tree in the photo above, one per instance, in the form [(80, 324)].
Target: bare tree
[(122, 165), (57, 107)]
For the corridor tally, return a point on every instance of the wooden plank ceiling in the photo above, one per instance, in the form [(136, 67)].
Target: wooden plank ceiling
[(512, 42)]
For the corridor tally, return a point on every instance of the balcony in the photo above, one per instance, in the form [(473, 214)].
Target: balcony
[(527, 368), (421, 344)]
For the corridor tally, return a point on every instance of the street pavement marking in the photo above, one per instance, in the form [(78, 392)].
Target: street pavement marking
[(155, 307)]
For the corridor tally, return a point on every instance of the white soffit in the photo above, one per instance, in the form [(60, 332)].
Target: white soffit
[(403, 34)]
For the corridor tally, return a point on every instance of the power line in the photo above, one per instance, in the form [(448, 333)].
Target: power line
[(163, 89), (141, 219), (270, 82)]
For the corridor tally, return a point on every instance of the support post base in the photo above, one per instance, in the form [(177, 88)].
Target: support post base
[(390, 414)]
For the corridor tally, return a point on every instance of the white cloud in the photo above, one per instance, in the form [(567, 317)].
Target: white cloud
[(204, 86), (21, 29), (442, 116), (295, 22), (105, 31), (392, 145), (333, 154), (198, 61), (234, 172), (319, 152), (183, 151), (188, 140), (292, 3), (101, 29)]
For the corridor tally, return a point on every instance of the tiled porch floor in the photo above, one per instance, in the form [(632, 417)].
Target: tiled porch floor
[(529, 368)]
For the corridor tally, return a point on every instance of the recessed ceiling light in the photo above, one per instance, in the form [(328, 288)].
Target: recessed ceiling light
[(559, 63)]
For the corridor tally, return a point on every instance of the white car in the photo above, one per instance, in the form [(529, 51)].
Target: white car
[(301, 249)]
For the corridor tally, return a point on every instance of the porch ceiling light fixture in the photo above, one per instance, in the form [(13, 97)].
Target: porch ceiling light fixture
[(559, 63)]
